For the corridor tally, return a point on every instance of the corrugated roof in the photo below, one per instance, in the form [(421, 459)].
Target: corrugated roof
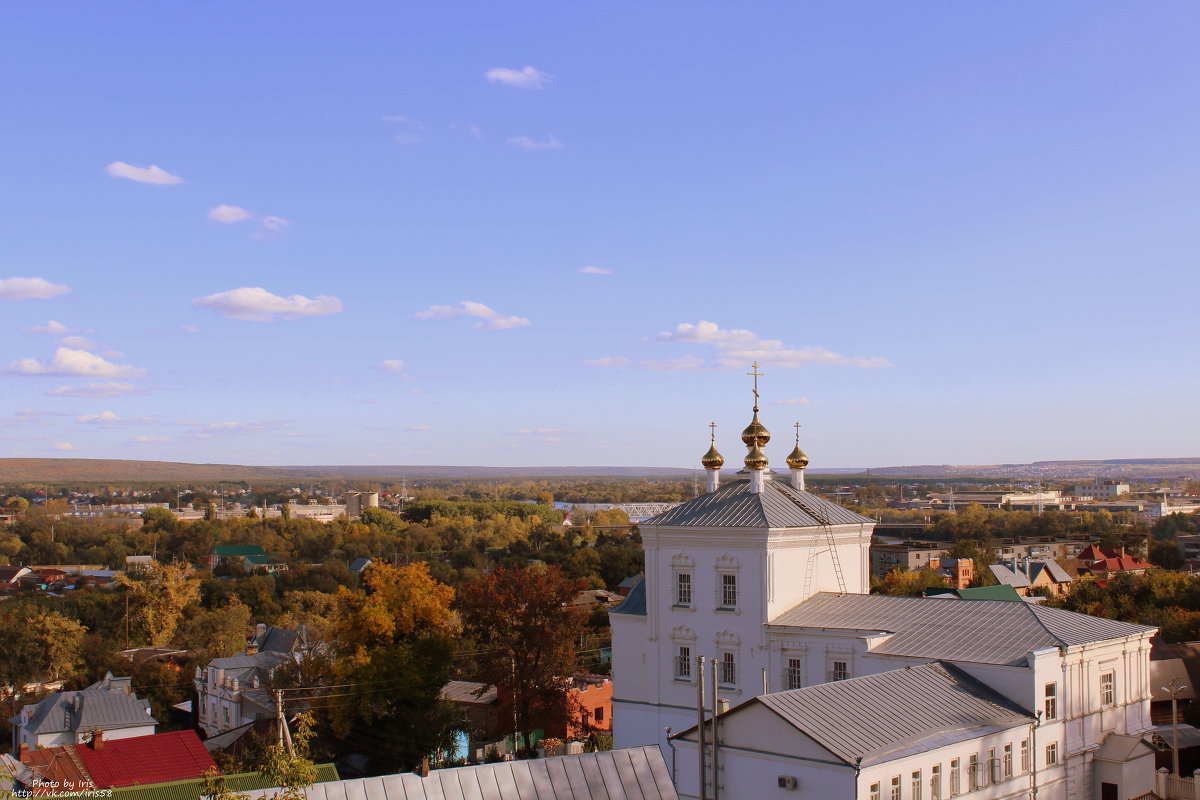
[(88, 709), (147, 759), (191, 789), (778, 505), (469, 692), (984, 631), (1009, 577), (1121, 748), (635, 774), (634, 602), (1167, 673)]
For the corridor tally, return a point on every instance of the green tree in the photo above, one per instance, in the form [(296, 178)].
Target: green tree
[(158, 595), (909, 582)]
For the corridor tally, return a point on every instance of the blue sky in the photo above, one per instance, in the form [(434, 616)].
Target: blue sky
[(558, 233)]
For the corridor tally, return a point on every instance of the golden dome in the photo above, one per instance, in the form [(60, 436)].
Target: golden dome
[(756, 459), (756, 432), (712, 459), (796, 459)]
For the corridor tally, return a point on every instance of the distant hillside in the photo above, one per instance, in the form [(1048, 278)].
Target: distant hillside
[(1133, 468), (87, 470)]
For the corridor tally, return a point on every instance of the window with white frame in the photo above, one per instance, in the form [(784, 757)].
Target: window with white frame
[(895, 787), (1108, 689), (1024, 755), (875, 792), (935, 782), (916, 785), (839, 670), (794, 678), (683, 588), (1008, 760), (683, 663), (1051, 754), (992, 772), (1051, 704), (729, 590), (728, 669), (955, 777), (973, 782)]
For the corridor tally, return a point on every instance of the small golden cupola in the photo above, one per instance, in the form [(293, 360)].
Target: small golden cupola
[(797, 461), (712, 461)]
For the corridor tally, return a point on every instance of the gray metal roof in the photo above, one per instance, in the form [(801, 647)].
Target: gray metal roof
[(469, 692), (984, 631), (1121, 748), (1017, 578), (88, 710), (1008, 576), (778, 505), (634, 774), (895, 714), (634, 602)]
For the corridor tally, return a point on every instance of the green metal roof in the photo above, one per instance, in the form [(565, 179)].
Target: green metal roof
[(998, 592), (192, 789), (239, 550)]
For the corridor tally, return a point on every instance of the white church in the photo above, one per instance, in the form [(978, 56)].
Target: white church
[(836, 693)]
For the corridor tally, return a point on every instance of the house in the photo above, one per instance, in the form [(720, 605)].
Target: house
[(252, 557), (104, 764), (997, 592), (1104, 562), (10, 576), (480, 703), (359, 565), (637, 774), (958, 571), (590, 699), (108, 707), (766, 583), (231, 692), (1028, 575)]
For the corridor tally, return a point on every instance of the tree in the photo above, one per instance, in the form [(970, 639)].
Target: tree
[(909, 582), (159, 594), (289, 772), (17, 504), (37, 645), (220, 632), (528, 631)]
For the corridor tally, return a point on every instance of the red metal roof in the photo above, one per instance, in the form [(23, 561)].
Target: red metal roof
[(147, 759)]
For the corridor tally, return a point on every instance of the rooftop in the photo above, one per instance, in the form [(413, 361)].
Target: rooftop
[(983, 631), (147, 759), (778, 505)]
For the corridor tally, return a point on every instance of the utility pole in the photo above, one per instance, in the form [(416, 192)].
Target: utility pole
[(285, 735), (126, 617), (716, 712), (700, 723)]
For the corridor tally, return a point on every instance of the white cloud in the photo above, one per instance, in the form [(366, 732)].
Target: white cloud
[(227, 213), (206, 430), (52, 327), (792, 401), (103, 416), (72, 361), (392, 365), (190, 328), (149, 439), (491, 320), (258, 305), (150, 174), (674, 364), (545, 434), (108, 418), (82, 342), (736, 348), (276, 224), (16, 289), (524, 78), (63, 446), (95, 390), (412, 131), (525, 143), (591, 270), (417, 428), (607, 361)]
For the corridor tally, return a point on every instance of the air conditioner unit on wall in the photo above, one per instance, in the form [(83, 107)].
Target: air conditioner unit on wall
[(787, 782)]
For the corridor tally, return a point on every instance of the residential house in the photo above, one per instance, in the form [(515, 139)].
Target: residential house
[(1104, 562), (1027, 576), (10, 576), (105, 764), (959, 572), (109, 707), (231, 692)]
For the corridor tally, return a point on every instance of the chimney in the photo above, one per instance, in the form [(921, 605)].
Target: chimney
[(98, 740), (252, 649), (22, 751)]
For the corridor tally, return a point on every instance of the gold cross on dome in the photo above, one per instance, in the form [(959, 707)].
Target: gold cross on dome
[(797, 427), (713, 426), (754, 371)]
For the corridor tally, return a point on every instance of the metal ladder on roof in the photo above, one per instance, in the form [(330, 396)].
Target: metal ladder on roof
[(829, 541)]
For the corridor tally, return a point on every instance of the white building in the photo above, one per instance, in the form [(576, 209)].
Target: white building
[(1102, 490), (232, 692), (770, 582), (75, 717)]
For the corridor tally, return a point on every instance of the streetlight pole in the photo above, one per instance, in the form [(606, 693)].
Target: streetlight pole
[(1175, 689)]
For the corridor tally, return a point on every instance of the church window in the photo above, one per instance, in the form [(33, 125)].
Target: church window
[(683, 588), (875, 791), (1051, 701), (1024, 755), (1108, 689), (935, 782), (955, 777), (916, 785), (839, 671), (1008, 760), (683, 663), (795, 673), (729, 590), (1051, 754), (728, 669), (895, 787)]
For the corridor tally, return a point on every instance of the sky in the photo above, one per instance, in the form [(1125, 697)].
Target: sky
[(529, 233)]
